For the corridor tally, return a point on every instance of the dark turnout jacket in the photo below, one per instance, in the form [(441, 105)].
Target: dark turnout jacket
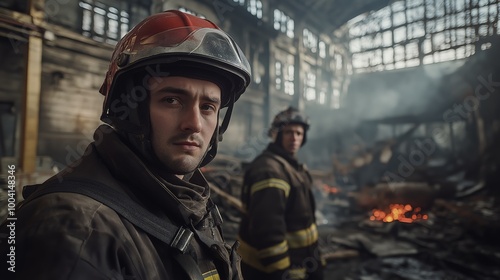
[(72, 236), (278, 234)]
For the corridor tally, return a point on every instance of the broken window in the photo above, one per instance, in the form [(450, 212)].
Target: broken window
[(322, 49), (284, 73), (104, 23), (289, 80), (310, 90), (279, 75), (310, 40), (421, 32), (321, 97), (338, 62), (283, 23), (255, 8)]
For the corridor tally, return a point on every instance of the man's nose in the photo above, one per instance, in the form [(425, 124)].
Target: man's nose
[(191, 120)]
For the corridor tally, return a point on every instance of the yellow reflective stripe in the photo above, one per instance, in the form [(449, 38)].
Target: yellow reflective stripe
[(297, 273), (211, 275), (273, 250), (252, 256), (271, 183), (302, 238), (282, 264)]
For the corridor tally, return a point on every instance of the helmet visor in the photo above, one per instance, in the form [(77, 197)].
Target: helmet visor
[(209, 43)]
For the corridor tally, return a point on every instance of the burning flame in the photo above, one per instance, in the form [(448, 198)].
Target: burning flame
[(330, 189), (398, 212)]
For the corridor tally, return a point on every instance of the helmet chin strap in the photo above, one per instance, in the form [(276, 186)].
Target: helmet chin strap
[(227, 117), (217, 136)]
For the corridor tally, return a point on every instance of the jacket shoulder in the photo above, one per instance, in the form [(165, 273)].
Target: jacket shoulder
[(65, 213), (66, 235), (264, 167), (266, 161)]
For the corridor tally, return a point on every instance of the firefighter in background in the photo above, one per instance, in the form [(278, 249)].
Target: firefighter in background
[(278, 234)]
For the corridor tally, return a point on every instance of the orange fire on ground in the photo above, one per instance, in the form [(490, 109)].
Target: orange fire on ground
[(399, 212), (330, 189)]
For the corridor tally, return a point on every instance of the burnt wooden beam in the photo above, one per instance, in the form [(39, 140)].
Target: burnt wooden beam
[(31, 102)]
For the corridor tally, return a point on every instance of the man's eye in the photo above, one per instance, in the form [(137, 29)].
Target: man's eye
[(169, 100), (208, 107)]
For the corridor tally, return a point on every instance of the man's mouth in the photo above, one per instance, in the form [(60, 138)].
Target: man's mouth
[(188, 145)]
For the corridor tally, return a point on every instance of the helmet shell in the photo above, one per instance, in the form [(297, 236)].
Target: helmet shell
[(176, 37), (290, 116)]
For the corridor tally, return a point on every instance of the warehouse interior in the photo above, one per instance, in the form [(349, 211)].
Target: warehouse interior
[(402, 96)]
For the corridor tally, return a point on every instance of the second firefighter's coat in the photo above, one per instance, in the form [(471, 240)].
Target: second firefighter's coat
[(278, 232)]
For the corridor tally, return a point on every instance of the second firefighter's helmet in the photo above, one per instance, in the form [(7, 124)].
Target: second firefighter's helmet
[(289, 116)]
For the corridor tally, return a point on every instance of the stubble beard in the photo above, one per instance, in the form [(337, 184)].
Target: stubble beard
[(179, 162)]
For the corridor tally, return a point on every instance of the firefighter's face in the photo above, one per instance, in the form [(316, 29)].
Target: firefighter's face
[(184, 115), (292, 137)]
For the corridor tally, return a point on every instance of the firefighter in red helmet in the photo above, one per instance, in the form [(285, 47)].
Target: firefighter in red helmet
[(278, 234), (136, 206)]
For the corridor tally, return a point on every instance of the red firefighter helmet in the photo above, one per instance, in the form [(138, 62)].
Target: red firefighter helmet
[(174, 36)]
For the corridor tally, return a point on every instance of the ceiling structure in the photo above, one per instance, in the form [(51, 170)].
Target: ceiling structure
[(329, 15)]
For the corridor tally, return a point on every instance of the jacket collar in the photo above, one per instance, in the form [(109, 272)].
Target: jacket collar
[(184, 201), (277, 149)]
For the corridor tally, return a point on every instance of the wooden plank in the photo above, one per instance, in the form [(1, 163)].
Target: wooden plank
[(29, 133), (31, 105)]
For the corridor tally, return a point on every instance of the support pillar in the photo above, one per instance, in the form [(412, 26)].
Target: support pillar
[(31, 100)]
